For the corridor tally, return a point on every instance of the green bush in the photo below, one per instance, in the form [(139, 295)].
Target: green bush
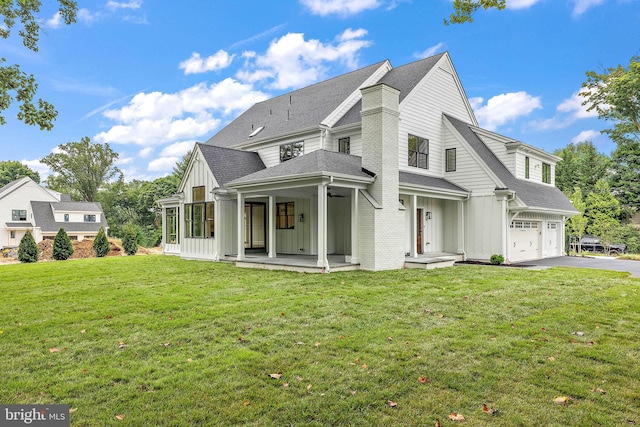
[(101, 245), (129, 240), (62, 246), (496, 259), (28, 249)]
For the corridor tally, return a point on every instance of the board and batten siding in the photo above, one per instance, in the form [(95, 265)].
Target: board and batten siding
[(421, 115), (339, 225), (484, 227), (298, 239), (199, 175)]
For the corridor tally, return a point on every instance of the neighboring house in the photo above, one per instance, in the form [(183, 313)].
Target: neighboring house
[(25, 205), (385, 167)]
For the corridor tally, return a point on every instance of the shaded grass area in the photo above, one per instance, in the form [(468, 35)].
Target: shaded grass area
[(164, 341)]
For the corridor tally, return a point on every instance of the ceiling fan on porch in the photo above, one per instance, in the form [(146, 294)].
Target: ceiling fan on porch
[(332, 195)]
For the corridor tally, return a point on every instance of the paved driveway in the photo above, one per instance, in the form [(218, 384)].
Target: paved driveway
[(602, 263)]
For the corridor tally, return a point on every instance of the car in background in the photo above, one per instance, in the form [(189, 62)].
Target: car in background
[(594, 244)]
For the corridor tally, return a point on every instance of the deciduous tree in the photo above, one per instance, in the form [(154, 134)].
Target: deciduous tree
[(581, 166), (15, 84), (577, 224), (464, 9), (11, 170), (82, 168)]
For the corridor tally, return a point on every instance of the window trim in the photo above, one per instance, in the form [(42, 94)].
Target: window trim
[(286, 221), (421, 151), (450, 162), (197, 221), (16, 215), (172, 226), (90, 218)]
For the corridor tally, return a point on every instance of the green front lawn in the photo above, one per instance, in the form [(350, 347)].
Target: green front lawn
[(162, 341)]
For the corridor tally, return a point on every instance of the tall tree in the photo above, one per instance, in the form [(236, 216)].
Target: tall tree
[(613, 94), (581, 166), (602, 210), (577, 224), (464, 9), (15, 84), (82, 168), (11, 170)]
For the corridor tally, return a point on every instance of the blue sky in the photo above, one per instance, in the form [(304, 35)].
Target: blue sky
[(152, 77)]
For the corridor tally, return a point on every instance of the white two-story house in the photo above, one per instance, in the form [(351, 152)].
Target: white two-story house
[(376, 169), (27, 206)]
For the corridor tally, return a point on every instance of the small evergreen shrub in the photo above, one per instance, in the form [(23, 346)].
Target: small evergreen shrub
[(101, 245), (62, 246), (129, 242), (496, 259), (28, 249)]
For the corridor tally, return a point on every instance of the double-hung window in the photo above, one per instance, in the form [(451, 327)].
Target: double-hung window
[(344, 145), (285, 216), (450, 160), (418, 152)]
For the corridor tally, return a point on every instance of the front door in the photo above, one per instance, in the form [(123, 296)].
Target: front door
[(254, 222), (419, 230)]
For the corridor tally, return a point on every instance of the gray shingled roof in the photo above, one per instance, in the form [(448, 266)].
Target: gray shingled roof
[(43, 217), (19, 225), (429, 181), (315, 162), (534, 195), (300, 109), (403, 78), (228, 164)]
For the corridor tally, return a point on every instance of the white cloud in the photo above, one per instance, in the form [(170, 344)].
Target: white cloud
[(340, 7), (292, 62), (520, 4), (585, 135), (124, 161), (156, 118), (162, 164), (430, 51), (37, 166), (55, 21), (581, 6), (504, 108), (145, 152), (196, 64), (574, 107), (178, 149), (86, 16), (115, 5)]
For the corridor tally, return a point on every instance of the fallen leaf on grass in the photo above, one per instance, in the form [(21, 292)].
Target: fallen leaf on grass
[(590, 343), (438, 423), (165, 344), (240, 339), (72, 410), (120, 417), (389, 338), (598, 390), (578, 333), (299, 343), (561, 400), (108, 317), (423, 380), (309, 386), (285, 385), (246, 403), (631, 422), (440, 316), (316, 344), (551, 358), (457, 417), (364, 366), (121, 344), (276, 376), (543, 329), (392, 404), (54, 350), (487, 410), (298, 377), (84, 331)]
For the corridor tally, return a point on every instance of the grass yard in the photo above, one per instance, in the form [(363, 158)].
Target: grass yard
[(152, 340)]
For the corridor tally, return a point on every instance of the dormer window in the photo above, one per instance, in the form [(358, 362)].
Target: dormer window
[(289, 151), (66, 217), (546, 173)]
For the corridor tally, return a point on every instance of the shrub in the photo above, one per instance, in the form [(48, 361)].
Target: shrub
[(28, 249), (129, 240), (62, 246), (496, 259), (101, 245)]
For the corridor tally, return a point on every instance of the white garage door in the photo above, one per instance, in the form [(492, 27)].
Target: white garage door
[(554, 246), (525, 238)]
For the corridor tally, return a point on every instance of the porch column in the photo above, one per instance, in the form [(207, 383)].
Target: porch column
[(461, 229), (355, 226), (216, 226), (322, 225), (272, 227), (414, 226), (240, 256)]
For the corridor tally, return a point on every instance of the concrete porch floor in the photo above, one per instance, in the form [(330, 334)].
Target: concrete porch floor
[(308, 263)]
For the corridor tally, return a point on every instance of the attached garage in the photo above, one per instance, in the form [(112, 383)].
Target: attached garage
[(525, 241)]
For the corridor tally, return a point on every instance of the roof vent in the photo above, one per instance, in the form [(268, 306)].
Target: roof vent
[(256, 131)]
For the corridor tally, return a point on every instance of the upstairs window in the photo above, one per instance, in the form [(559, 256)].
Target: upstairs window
[(450, 154), (66, 217), (344, 145), (18, 215), (89, 218), (418, 152), (197, 194), (526, 167), (546, 173), (285, 216), (289, 151)]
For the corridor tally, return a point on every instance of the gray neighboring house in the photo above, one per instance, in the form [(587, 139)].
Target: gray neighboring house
[(380, 168), (27, 206)]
